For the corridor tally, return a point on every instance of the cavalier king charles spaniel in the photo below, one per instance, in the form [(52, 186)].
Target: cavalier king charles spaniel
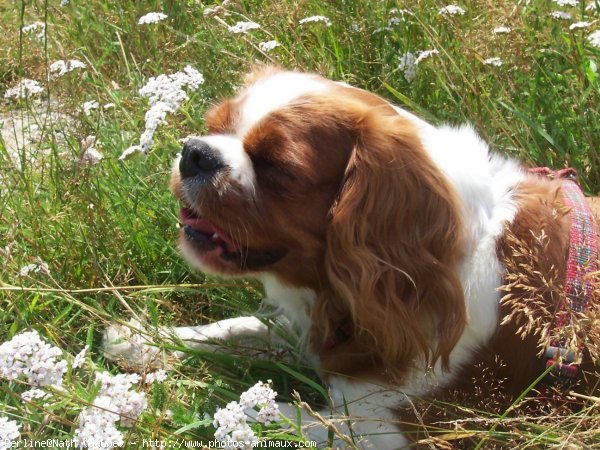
[(411, 261)]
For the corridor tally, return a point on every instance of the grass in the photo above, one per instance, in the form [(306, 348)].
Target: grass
[(107, 231)]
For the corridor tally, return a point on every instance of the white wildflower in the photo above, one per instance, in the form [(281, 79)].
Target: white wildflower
[(130, 151), (37, 29), (495, 61), (166, 94), (424, 55), (310, 19), (232, 428), (579, 25), (501, 30), (61, 67), (90, 154), (114, 403), (243, 27), (73, 64), (561, 15), (97, 426), (9, 433), (594, 38), (230, 422), (128, 404), (28, 355), (88, 107), (408, 66), (152, 17), (451, 10), (382, 29), (394, 21), (64, 3), (567, 2), (80, 357), (592, 6), (58, 68), (402, 12), (355, 27), (211, 11), (41, 268), (108, 106), (34, 393), (24, 88), (268, 46), (263, 396), (158, 376)]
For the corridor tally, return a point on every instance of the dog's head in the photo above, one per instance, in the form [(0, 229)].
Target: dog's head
[(327, 187)]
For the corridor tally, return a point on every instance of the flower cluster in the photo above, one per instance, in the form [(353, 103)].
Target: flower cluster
[(158, 376), (34, 393), (263, 396), (42, 268), (233, 430), (409, 62), (80, 357), (129, 151), (268, 46), (561, 15), (424, 55), (87, 107), (310, 19), (114, 403), (451, 10), (594, 38), (243, 27), (495, 61), (567, 2), (61, 67), (579, 25), (24, 88), (501, 30), (166, 94), (408, 66), (97, 426), (217, 9), (152, 17), (90, 154), (9, 432), (29, 356), (37, 29)]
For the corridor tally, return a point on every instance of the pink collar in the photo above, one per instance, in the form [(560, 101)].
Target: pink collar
[(581, 262)]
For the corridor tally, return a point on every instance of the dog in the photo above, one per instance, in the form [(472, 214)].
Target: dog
[(412, 262)]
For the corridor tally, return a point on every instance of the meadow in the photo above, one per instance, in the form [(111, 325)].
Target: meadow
[(88, 226)]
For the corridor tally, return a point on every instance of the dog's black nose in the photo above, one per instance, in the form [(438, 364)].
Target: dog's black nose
[(198, 159)]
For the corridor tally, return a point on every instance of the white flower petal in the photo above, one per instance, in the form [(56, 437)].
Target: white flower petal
[(152, 17)]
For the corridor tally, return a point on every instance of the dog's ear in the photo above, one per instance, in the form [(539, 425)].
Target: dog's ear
[(394, 244)]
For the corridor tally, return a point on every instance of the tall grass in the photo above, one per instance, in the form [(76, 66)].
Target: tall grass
[(107, 231)]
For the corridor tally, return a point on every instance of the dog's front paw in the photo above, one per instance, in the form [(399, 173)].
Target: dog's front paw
[(131, 345)]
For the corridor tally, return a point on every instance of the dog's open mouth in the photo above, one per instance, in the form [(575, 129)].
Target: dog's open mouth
[(208, 238), (204, 234)]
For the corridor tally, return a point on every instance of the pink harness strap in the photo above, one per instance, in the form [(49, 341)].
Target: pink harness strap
[(582, 261)]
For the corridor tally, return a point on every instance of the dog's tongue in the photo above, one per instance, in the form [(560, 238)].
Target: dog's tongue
[(206, 227)]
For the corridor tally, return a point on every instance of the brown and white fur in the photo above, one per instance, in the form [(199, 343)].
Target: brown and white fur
[(355, 213)]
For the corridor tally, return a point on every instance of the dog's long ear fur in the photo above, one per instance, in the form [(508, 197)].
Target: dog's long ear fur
[(393, 246)]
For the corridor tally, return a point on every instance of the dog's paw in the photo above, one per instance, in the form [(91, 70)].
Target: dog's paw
[(130, 345)]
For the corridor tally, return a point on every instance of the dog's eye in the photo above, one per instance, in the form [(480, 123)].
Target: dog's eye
[(271, 172)]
